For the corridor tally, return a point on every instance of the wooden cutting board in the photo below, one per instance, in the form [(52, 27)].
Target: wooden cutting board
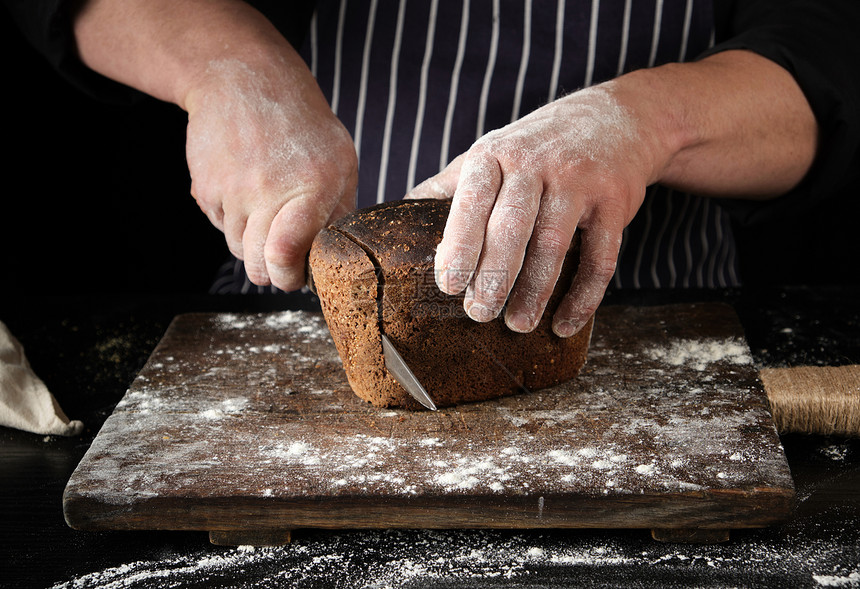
[(245, 426)]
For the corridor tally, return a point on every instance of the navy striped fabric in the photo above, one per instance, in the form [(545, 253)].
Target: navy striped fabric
[(416, 82)]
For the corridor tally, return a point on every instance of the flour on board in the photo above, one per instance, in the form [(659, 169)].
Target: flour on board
[(699, 354), (309, 325)]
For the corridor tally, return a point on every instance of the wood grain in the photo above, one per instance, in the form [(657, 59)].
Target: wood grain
[(240, 423)]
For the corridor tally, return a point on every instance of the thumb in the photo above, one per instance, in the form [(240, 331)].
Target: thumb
[(289, 239), (440, 186)]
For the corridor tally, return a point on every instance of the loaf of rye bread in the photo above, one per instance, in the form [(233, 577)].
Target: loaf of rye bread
[(374, 272)]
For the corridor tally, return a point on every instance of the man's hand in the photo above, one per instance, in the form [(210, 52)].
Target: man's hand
[(577, 164), (733, 125), (270, 165)]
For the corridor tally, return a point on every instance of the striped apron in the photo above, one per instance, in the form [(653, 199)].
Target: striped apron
[(416, 82)]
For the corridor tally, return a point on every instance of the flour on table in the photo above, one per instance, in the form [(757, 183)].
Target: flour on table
[(300, 457), (850, 580), (489, 558)]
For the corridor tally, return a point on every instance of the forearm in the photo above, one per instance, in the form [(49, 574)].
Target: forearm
[(733, 125), (166, 47)]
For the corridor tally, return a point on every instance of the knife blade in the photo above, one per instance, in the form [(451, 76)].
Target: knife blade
[(398, 368), (394, 362)]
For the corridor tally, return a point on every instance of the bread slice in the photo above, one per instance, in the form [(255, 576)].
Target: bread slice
[(374, 272)]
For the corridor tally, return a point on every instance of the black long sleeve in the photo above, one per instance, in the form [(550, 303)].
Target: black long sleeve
[(47, 26), (806, 236), (814, 41)]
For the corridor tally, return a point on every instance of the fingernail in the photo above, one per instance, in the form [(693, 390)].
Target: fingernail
[(451, 280), (519, 322), (480, 313), (441, 279), (564, 328), (444, 279)]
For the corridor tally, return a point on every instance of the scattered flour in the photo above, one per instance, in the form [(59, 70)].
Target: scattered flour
[(851, 580), (429, 442), (294, 452), (233, 321), (309, 325), (645, 469), (466, 476), (303, 328), (485, 558), (699, 354), (225, 408), (835, 452)]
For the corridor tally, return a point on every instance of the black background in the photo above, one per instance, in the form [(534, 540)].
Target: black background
[(96, 195)]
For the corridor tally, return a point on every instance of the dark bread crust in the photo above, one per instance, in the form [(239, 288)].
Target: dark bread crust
[(389, 250), (346, 275)]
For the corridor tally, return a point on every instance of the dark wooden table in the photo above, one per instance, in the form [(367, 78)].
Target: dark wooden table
[(88, 350)]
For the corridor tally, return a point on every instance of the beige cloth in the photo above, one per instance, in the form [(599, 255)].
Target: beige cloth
[(25, 401)]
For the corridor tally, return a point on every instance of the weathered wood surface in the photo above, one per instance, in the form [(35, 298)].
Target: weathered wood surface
[(240, 423)]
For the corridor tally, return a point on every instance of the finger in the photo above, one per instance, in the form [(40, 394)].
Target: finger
[(599, 254), (289, 240), (507, 236), (458, 253), (234, 230), (216, 217), (440, 186), (254, 240), (554, 228), (213, 212)]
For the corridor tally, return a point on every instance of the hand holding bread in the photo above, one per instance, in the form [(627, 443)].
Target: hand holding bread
[(731, 125), (521, 192)]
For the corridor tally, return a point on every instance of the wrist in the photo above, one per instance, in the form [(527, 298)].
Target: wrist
[(665, 128), (252, 56), (734, 124), (254, 72)]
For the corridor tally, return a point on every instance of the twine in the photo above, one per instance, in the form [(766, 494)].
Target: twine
[(815, 399)]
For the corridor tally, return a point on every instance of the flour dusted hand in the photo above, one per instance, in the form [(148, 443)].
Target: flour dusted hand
[(519, 194), (270, 164)]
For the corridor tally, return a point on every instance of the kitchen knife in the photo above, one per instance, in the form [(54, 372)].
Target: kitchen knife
[(395, 365), (394, 362)]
